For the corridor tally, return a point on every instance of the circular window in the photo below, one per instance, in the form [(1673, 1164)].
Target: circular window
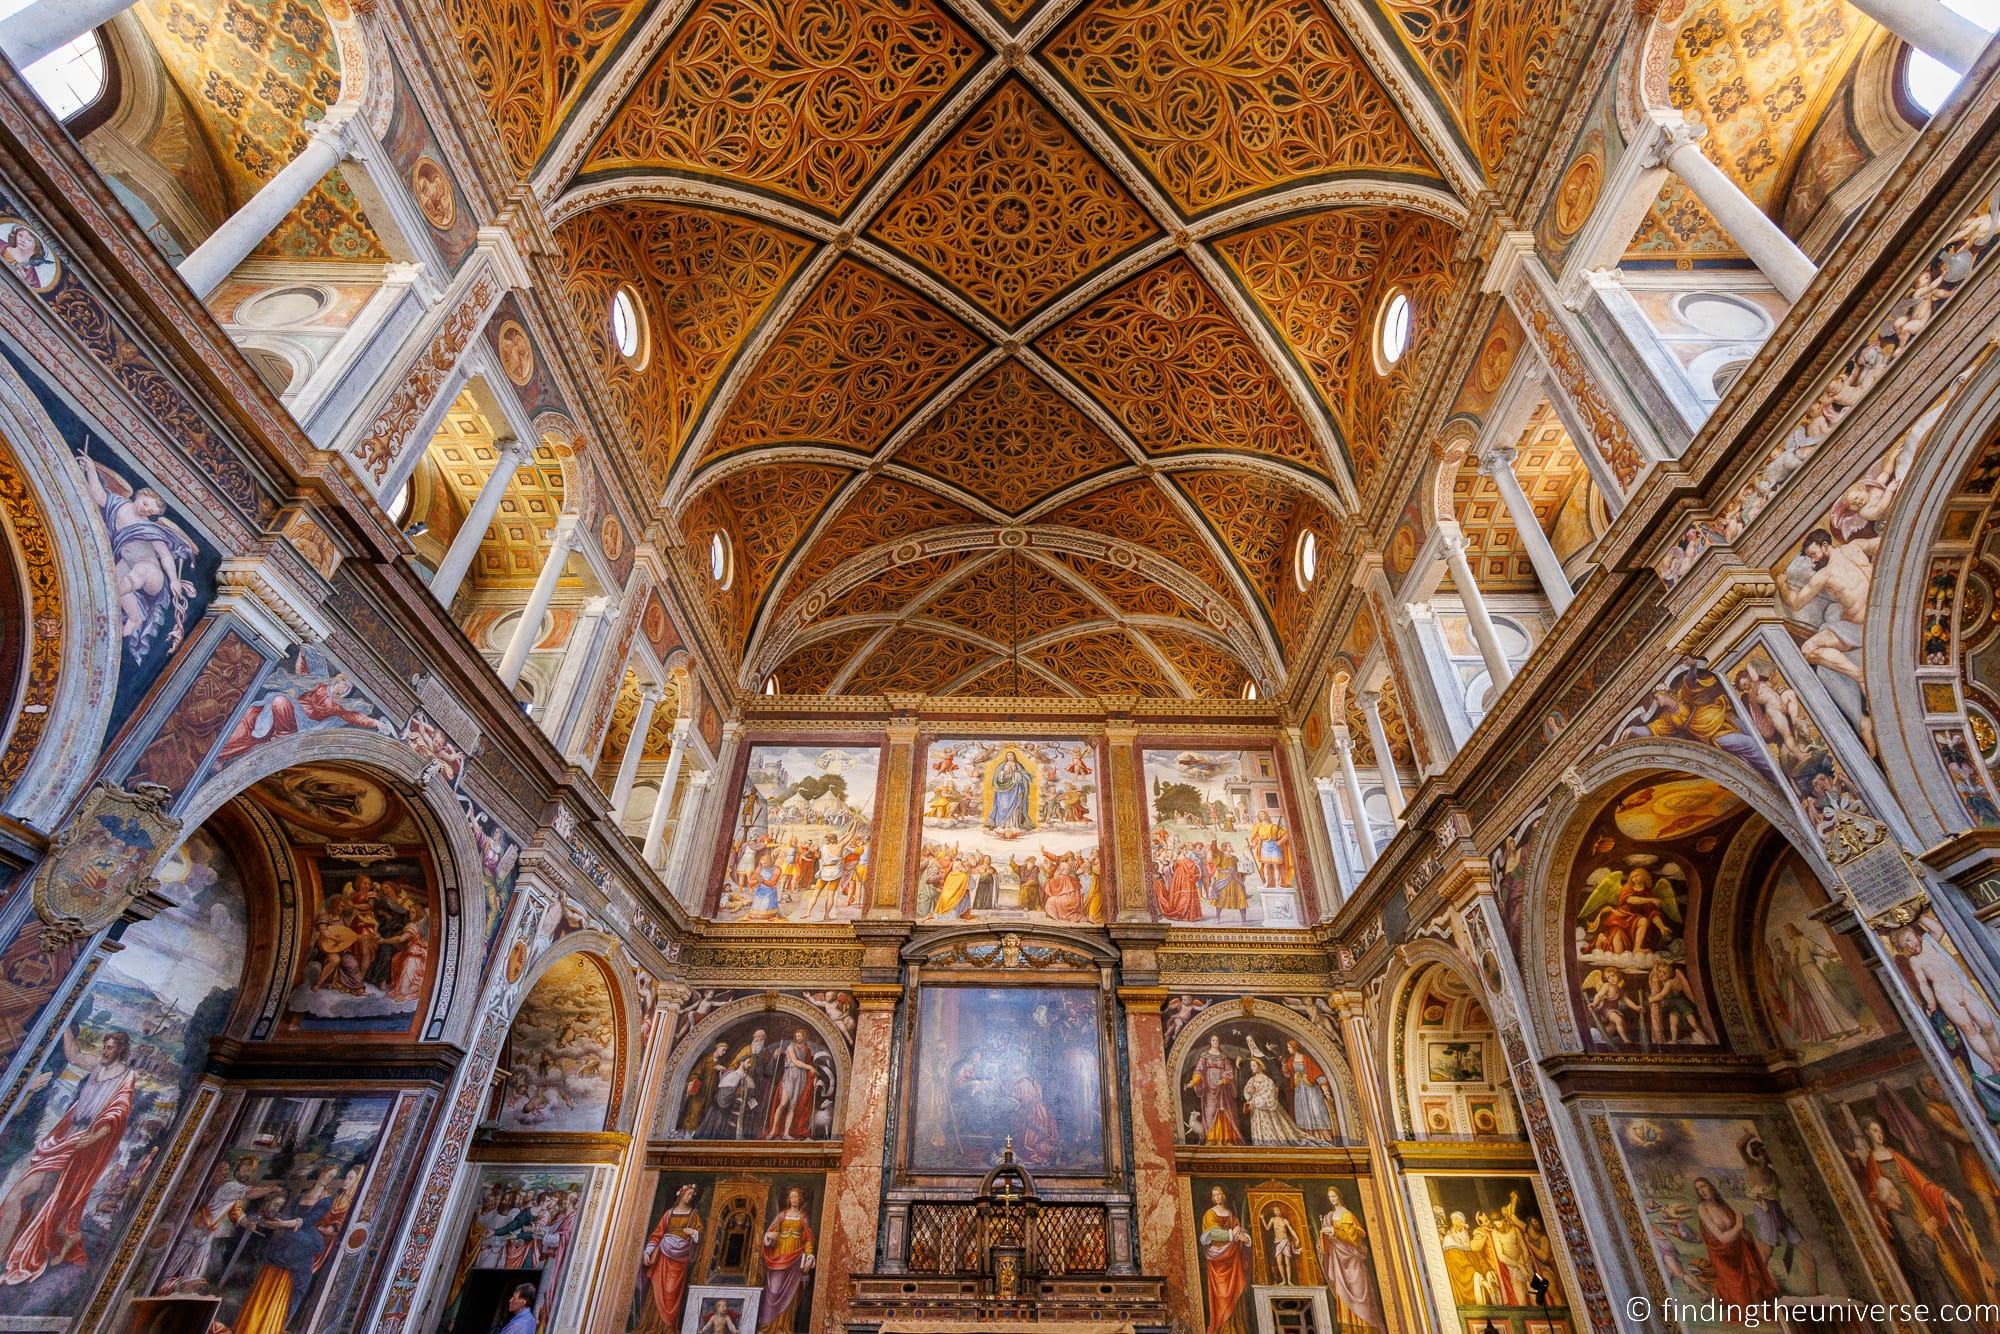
[(628, 325), (721, 559), (1305, 560), (1392, 331)]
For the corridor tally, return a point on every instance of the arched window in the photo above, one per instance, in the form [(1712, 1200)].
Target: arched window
[(721, 558), (72, 77), (1929, 81), (771, 686), (1392, 331), (628, 326)]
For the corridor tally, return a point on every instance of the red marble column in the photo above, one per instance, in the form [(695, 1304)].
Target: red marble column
[(1166, 1236), (856, 1200)]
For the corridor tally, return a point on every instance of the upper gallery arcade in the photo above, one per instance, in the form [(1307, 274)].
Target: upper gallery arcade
[(1075, 665)]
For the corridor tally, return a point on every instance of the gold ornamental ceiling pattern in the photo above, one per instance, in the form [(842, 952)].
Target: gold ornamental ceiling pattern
[(1223, 101), (531, 60), (1483, 56), (703, 280), (919, 297), (861, 353), (1011, 440), (1013, 210), (1165, 356), (804, 99)]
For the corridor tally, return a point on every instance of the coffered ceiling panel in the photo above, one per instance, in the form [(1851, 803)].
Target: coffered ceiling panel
[(1224, 101), (1320, 281), (1013, 210), (531, 58), (805, 99), (704, 278), (1548, 466), (857, 358), (1164, 356), (1011, 440), (516, 544)]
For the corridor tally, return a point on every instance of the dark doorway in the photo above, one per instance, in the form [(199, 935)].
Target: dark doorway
[(483, 1308)]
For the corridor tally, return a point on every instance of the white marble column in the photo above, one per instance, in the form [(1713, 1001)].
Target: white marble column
[(1941, 33), (47, 25), (1483, 629), (1498, 463), (1763, 240), (231, 243), (663, 804), (635, 750), (689, 820), (1358, 809), (465, 543), (570, 693), (1343, 856), (1385, 758), (561, 539)]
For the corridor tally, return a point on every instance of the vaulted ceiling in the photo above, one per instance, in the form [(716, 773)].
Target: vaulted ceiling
[(1013, 345)]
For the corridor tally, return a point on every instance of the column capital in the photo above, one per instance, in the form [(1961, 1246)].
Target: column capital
[(1327, 784), (516, 448), (1668, 132), (565, 526), (652, 692), (701, 778), (1497, 458), (1454, 545), (1369, 700)]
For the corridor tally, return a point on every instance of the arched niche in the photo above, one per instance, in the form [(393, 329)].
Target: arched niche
[(1446, 1065), (1560, 859), (565, 1055), (182, 1047), (1309, 1102), (728, 1083), (446, 819)]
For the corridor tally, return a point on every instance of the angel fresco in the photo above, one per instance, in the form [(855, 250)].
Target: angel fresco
[(1631, 940), (151, 559)]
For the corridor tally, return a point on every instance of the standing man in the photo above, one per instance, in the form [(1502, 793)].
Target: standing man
[(520, 1310)]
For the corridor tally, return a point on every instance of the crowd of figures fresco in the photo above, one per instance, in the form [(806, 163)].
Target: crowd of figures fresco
[(1010, 832), (103, 1106), (522, 1230), (802, 835), (768, 1076), (1297, 1244), (746, 1245), (562, 1052), (275, 1208), (1222, 852), (1491, 1255), (1251, 1082), (997, 1064)]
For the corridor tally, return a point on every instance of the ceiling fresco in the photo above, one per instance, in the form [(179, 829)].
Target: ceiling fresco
[(922, 294), (256, 75), (1758, 76)]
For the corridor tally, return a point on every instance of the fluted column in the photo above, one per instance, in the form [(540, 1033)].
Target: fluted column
[(1498, 463), (1385, 758), (46, 25), (635, 749), (465, 543), (1763, 240), (1941, 33), (663, 805), (1363, 835), (561, 540), (231, 243), (1483, 629)]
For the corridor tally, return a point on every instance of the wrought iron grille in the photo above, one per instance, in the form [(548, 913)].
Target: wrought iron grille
[(942, 1239), (1069, 1239)]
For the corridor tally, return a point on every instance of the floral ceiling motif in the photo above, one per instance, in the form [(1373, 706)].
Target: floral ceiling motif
[(1754, 75), (1013, 210), (256, 74), (1220, 102), (1011, 440), (805, 99), (1486, 58), (532, 59)]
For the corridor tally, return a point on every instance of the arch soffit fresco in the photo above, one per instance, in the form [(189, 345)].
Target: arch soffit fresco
[(607, 953), (1175, 241), (1544, 956), (1413, 964)]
